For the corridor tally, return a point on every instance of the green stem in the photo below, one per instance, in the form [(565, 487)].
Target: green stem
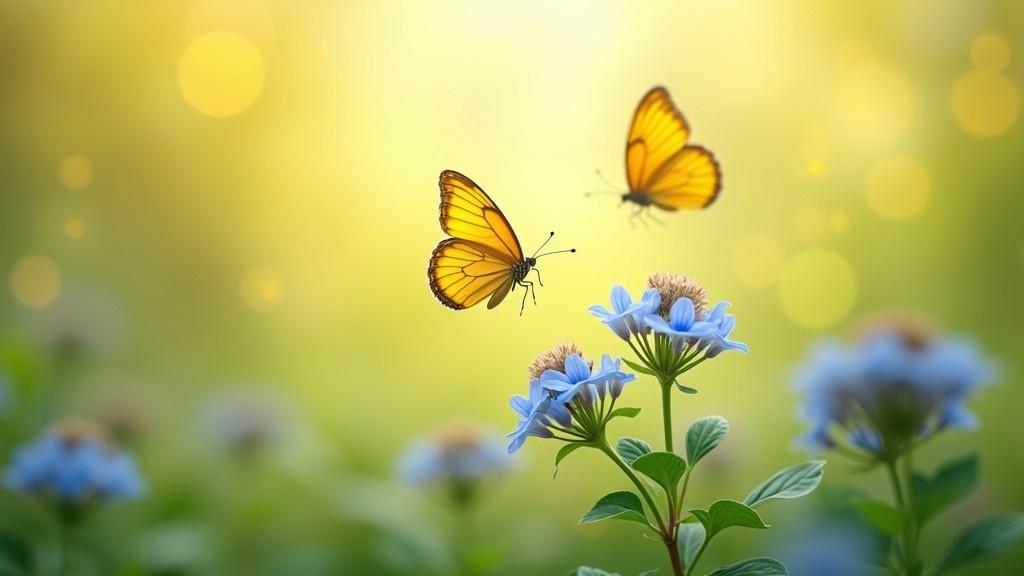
[(911, 566), (666, 412), (603, 446)]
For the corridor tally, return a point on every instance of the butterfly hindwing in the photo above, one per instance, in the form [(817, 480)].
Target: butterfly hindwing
[(462, 273), (659, 163)]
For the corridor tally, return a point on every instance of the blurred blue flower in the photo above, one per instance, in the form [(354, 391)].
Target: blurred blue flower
[(70, 467), (832, 549), (626, 317), (895, 385), (460, 454)]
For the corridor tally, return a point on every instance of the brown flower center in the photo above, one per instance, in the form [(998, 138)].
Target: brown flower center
[(672, 286)]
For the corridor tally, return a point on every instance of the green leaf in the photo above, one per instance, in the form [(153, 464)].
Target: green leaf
[(685, 389), (639, 367), (624, 412), (632, 448), (565, 451), (789, 483), (984, 539), (665, 468), (618, 505), (753, 567), (704, 436), (588, 571), (725, 514), (689, 537), (880, 515), (15, 556), (951, 484)]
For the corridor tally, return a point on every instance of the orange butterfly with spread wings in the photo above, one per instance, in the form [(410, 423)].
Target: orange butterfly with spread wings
[(662, 169), (483, 257)]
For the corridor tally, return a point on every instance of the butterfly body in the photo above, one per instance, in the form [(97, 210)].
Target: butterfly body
[(662, 169), (483, 258), (638, 198)]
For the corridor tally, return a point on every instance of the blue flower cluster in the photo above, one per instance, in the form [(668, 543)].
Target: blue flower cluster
[(74, 470), (456, 455), (567, 397), (891, 388), (685, 325)]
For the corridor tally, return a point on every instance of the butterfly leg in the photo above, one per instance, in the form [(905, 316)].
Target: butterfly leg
[(539, 281), (637, 215), (650, 214)]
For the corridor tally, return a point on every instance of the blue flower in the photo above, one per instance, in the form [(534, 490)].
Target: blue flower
[(564, 395), (534, 420), (458, 455), (723, 324), (74, 470), (626, 317), (889, 389), (682, 327), (577, 379)]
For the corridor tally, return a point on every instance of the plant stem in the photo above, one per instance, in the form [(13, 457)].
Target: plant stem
[(673, 553), (911, 566), (603, 446), (666, 412)]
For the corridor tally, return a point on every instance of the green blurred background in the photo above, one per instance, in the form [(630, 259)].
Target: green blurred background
[(199, 197)]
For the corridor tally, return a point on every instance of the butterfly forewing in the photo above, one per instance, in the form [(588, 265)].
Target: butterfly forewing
[(467, 212), (659, 163)]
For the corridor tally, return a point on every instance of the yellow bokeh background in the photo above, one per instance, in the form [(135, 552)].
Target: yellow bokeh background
[(253, 186)]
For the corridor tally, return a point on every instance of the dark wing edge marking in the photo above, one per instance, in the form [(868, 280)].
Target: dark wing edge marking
[(437, 253)]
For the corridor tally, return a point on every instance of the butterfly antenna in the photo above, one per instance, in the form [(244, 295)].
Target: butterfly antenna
[(543, 244), (555, 252), (613, 192), (602, 177)]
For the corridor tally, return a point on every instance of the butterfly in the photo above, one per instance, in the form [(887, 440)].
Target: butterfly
[(662, 169), (483, 258)]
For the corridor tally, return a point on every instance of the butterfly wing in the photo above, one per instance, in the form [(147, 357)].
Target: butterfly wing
[(462, 273), (478, 260), (660, 165), (467, 212), (690, 179)]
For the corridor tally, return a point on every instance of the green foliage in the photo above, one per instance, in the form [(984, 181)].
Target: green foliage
[(753, 567), (704, 436), (789, 483), (624, 412), (636, 366), (15, 556), (690, 539), (951, 484), (632, 448), (619, 505), (882, 516), (665, 468), (984, 539), (565, 451), (726, 514), (588, 571)]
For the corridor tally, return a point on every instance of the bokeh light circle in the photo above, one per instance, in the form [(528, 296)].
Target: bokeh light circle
[(990, 51), (839, 222), (35, 281), (76, 172), (876, 103), (262, 288), (75, 227), (221, 74), (758, 260), (817, 288), (985, 103), (897, 187)]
